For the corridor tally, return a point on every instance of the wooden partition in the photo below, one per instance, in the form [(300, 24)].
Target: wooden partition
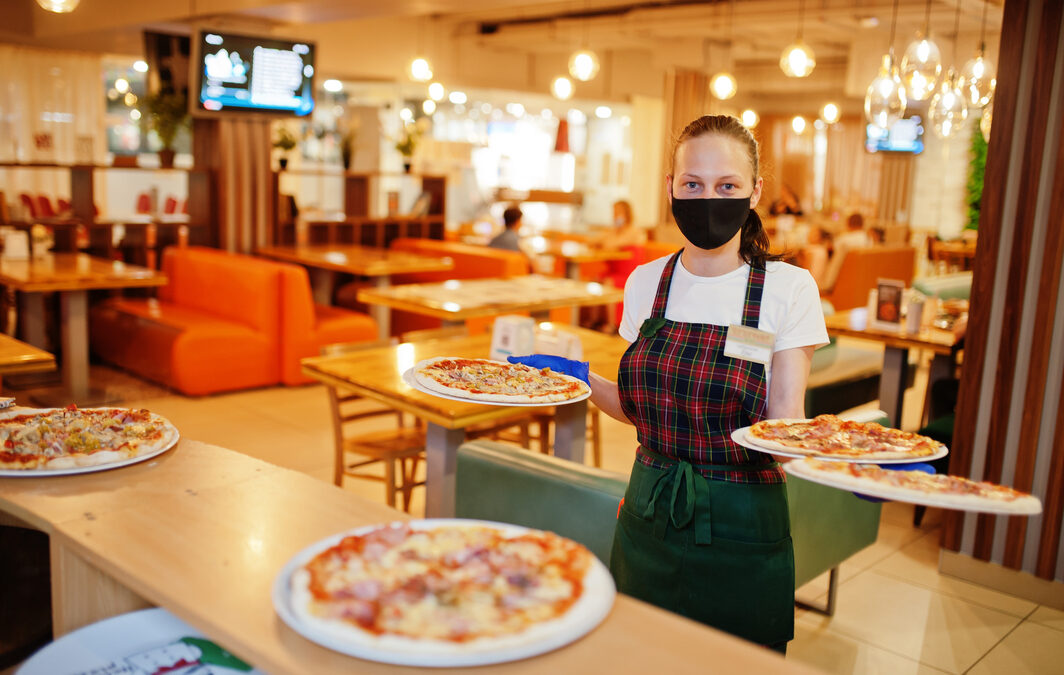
[(1010, 419)]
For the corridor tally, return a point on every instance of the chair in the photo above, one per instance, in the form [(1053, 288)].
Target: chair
[(29, 205), (44, 207), (400, 450), (144, 203), (170, 206)]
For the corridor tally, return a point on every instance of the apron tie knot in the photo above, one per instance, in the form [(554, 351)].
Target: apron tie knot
[(686, 486)]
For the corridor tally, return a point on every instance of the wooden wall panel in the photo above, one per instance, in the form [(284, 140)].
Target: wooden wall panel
[(686, 99), (1004, 430)]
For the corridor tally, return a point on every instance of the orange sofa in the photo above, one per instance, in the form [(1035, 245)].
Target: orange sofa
[(863, 267), (223, 322)]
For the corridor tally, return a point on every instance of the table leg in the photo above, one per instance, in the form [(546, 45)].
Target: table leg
[(75, 316), (321, 283), (572, 270), (82, 594), (892, 383), (382, 314), (32, 311), (441, 455), (941, 368), (570, 431)]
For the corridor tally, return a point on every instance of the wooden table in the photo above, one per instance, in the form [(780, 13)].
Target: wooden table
[(18, 357), (203, 531), (377, 374), (325, 260), (944, 344), (576, 253), (455, 301), (72, 275)]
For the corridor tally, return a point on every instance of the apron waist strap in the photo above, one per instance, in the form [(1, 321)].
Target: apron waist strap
[(707, 467)]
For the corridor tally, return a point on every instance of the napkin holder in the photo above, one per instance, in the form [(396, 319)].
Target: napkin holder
[(559, 343), (16, 245), (512, 336)]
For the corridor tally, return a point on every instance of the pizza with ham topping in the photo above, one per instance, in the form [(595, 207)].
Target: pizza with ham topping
[(455, 584), (832, 437), (67, 438), (497, 382), (917, 487)]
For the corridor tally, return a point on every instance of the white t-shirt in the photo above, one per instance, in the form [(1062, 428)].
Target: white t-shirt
[(790, 302)]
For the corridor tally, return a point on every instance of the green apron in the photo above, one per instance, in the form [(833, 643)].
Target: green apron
[(704, 529)]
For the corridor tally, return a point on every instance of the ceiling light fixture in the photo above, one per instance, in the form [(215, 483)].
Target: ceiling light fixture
[(948, 109), (749, 118), (420, 70), (798, 59), (798, 124), (436, 91), (59, 6), (562, 88), (584, 65), (333, 86), (723, 85), (830, 113), (921, 65), (977, 75), (885, 101)]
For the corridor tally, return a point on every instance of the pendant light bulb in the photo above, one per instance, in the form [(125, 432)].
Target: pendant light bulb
[(885, 98), (798, 124), (921, 68), (749, 118), (562, 88), (584, 65), (948, 109), (830, 113), (420, 70), (723, 85), (977, 80), (797, 60), (437, 91), (59, 6)]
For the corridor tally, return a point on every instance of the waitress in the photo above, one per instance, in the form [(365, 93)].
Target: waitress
[(722, 335)]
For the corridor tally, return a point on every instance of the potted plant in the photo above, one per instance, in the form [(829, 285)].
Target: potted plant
[(167, 113), (285, 141), (407, 144)]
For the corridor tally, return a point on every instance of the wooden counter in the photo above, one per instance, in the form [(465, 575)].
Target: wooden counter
[(203, 532)]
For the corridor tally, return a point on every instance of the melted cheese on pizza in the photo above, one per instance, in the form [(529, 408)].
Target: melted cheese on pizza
[(454, 583)]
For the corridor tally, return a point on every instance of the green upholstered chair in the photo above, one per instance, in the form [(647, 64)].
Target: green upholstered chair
[(500, 482), (956, 286)]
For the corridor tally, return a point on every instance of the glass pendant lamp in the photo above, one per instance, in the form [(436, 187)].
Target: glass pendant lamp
[(921, 65), (798, 59), (723, 85), (584, 65), (977, 76), (885, 100), (948, 108)]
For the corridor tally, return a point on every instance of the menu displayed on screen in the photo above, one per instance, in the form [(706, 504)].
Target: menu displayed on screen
[(248, 73)]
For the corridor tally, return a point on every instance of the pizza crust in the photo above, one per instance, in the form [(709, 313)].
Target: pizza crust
[(774, 445), (429, 382), (1021, 505)]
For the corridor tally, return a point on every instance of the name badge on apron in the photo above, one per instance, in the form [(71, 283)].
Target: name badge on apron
[(749, 344)]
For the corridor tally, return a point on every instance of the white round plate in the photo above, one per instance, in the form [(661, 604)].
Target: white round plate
[(38, 473), (592, 607), (110, 645), (408, 377), (1026, 507), (741, 437)]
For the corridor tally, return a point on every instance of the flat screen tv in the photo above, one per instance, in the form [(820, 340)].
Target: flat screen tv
[(242, 73), (905, 135)]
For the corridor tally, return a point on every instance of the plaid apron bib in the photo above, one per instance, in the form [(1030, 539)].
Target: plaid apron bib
[(704, 528)]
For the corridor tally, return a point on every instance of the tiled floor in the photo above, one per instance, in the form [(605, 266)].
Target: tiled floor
[(896, 614)]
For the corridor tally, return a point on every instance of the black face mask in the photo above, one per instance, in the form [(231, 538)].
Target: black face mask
[(710, 223)]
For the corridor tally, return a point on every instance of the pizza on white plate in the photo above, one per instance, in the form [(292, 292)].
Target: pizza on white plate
[(943, 490), (448, 588), (51, 439), (829, 436), (497, 381)]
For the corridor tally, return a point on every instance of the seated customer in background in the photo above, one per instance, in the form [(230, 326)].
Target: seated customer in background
[(625, 233), (508, 239), (786, 204), (854, 237)]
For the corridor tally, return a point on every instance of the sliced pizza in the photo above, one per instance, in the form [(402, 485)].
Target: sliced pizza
[(497, 381), (829, 436), (66, 438), (917, 487)]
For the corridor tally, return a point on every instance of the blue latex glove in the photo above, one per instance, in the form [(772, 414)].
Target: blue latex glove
[(913, 466), (559, 364)]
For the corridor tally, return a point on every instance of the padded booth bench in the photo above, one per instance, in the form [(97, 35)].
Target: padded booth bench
[(500, 482), (863, 267), (223, 322)]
